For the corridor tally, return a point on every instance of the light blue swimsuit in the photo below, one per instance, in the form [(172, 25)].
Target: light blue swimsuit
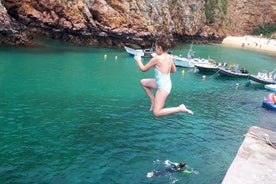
[(163, 81)]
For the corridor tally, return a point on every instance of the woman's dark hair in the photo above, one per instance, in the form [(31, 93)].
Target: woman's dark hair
[(181, 164), (163, 42)]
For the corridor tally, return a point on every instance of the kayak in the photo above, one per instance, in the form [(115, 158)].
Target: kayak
[(269, 105)]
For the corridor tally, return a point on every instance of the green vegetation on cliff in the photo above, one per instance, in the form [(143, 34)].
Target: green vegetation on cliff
[(210, 9), (266, 30)]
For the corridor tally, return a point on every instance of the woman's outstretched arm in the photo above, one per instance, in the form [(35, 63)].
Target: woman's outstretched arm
[(146, 67)]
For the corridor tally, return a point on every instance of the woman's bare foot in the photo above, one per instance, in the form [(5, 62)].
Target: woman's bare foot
[(151, 107), (183, 108)]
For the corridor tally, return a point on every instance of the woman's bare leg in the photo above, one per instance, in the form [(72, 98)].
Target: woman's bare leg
[(148, 85), (160, 98)]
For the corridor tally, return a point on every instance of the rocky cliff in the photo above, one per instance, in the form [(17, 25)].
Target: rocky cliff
[(130, 22)]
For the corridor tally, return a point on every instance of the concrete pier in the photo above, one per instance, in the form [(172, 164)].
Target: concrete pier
[(255, 161)]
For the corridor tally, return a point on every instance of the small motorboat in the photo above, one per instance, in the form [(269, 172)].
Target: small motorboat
[(146, 53), (271, 87), (263, 78), (269, 105), (188, 62), (233, 71), (210, 67), (183, 62)]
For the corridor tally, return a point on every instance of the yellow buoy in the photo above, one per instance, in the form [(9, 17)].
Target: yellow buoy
[(183, 72), (105, 56)]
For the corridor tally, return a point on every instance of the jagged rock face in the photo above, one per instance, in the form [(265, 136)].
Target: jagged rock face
[(119, 22), (11, 32), (245, 15)]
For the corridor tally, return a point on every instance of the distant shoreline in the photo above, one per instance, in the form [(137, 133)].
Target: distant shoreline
[(256, 43)]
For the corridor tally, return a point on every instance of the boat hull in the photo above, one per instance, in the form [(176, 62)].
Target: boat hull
[(229, 73), (271, 87), (147, 53), (183, 62), (257, 80), (207, 69), (268, 105)]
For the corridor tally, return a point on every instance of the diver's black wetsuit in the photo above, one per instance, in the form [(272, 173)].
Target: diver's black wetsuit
[(167, 171)]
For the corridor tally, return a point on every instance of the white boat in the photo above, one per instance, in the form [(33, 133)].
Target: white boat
[(188, 62), (143, 53), (210, 66), (207, 67), (183, 62), (271, 87), (263, 78)]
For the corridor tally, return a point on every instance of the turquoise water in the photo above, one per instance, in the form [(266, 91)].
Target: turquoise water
[(69, 116)]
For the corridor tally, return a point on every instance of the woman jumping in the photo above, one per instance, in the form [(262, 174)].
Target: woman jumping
[(163, 65)]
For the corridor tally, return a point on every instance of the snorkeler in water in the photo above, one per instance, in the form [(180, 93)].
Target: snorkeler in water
[(173, 167)]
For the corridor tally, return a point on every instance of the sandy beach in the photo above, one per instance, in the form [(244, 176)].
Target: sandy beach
[(256, 43)]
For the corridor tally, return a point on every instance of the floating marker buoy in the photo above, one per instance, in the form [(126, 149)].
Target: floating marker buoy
[(105, 56), (116, 57), (203, 77), (183, 72)]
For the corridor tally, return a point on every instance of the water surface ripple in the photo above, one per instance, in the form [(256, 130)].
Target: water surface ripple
[(69, 116)]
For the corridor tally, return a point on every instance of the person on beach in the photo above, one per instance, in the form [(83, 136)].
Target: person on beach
[(173, 167), (163, 65)]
